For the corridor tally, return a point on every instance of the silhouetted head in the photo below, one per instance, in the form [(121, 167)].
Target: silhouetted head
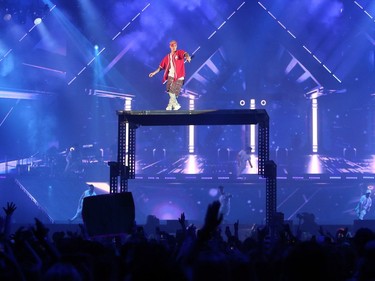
[(368, 193), (91, 187), (248, 149)]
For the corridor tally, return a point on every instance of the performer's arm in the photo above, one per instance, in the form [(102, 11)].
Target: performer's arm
[(80, 202), (156, 71)]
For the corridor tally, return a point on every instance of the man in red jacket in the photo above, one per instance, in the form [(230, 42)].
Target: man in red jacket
[(173, 65)]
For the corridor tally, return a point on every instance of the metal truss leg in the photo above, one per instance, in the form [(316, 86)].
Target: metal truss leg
[(263, 147), (271, 194)]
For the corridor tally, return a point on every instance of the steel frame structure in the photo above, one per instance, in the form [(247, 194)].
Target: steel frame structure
[(128, 122)]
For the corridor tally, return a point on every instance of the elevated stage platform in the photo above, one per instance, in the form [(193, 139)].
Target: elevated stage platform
[(194, 117), (129, 121)]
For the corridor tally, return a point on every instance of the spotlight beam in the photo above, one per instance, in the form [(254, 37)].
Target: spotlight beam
[(113, 38), (24, 36)]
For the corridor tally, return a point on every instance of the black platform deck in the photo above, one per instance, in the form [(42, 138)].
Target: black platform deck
[(194, 117)]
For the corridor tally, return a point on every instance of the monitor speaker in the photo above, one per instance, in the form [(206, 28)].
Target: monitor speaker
[(109, 214)]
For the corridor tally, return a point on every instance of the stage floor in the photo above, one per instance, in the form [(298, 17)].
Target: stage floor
[(224, 167)]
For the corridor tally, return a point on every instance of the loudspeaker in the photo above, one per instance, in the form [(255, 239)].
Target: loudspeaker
[(270, 169), (109, 214), (363, 224)]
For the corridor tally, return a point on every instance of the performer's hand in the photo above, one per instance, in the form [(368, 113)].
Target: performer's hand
[(188, 59), (151, 74)]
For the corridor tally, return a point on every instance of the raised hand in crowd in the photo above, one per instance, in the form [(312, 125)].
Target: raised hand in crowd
[(6, 223), (191, 231), (182, 221), (228, 233), (10, 208), (236, 227), (40, 231), (26, 251), (212, 220)]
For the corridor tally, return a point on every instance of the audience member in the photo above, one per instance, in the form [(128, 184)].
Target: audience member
[(193, 254)]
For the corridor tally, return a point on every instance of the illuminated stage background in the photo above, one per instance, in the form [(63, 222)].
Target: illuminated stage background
[(58, 91)]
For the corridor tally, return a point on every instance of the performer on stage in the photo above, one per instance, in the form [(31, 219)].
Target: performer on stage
[(73, 160), (89, 192), (224, 199), (173, 65), (364, 205), (243, 157)]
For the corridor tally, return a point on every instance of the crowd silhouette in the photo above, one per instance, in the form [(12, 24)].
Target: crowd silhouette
[(189, 254)]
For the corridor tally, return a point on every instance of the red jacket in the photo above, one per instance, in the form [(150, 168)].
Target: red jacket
[(179, 66)]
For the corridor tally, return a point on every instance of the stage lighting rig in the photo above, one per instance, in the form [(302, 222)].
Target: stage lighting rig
[(22, 12), (317, 92), (37, 20)]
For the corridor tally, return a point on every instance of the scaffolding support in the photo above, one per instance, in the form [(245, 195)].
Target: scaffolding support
[(124, 169)]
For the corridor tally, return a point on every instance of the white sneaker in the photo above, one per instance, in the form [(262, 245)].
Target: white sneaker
[(169, 108), (177, 107)]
